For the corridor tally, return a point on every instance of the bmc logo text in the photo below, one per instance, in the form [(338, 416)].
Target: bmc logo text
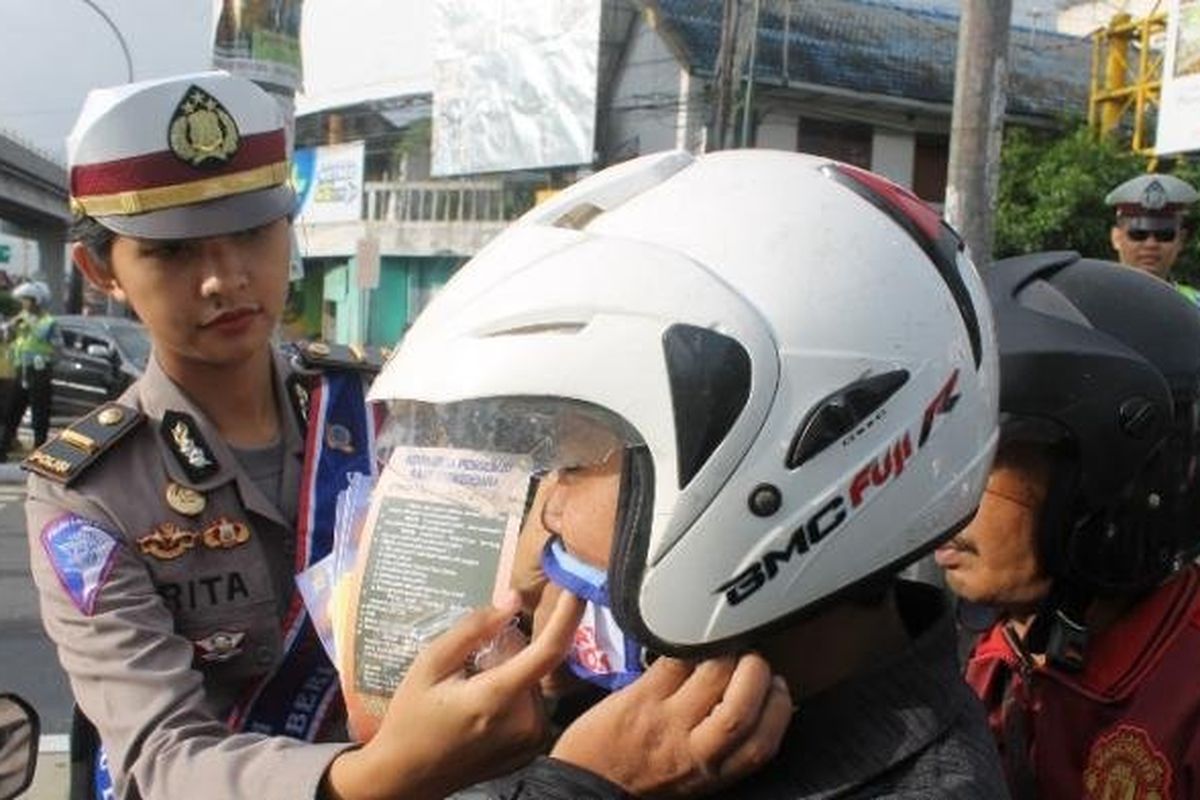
[(879, 473)]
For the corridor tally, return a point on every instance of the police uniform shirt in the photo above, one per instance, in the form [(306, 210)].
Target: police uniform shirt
[(165, 613)]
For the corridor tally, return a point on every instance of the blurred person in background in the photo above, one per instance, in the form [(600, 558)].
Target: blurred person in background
[(32, 337)]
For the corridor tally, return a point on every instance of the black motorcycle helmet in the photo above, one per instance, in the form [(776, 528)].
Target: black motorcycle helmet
[(1102, 363)]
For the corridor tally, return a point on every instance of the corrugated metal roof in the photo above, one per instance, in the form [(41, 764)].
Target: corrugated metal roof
[(888, 49)]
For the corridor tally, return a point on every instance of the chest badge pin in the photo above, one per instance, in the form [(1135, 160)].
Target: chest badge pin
[(221, 646), (186, 501), (337, 437), (225, 534), (167, 542)]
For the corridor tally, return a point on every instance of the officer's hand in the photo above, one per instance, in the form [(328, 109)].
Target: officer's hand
[(445, 730), (683, 729)]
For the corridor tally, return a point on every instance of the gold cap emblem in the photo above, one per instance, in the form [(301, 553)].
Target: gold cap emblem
[(186, 501), (202, 132)]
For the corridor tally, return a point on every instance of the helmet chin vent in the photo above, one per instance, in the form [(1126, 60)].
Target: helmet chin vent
[(850, 410)]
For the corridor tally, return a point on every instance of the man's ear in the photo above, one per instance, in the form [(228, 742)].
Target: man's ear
[(1113, 237), (97, 271)]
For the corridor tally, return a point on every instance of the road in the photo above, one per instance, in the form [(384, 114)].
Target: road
[(28, 665)]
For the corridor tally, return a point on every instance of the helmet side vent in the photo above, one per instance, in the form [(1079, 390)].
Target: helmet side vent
[(847, 411), (709, 376), (578, 216), (1043, 297), (565, 328)]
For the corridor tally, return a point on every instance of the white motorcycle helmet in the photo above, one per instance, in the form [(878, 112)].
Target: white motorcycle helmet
[(796, 354), (36, 291)]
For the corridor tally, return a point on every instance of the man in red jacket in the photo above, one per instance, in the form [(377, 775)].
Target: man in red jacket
[(1080, 555)]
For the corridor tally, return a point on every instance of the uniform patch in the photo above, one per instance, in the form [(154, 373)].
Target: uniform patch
[(81, 553), (1125, 763)]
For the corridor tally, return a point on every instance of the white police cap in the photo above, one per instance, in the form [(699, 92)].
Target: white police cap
[(1152, 195), (187, 156)]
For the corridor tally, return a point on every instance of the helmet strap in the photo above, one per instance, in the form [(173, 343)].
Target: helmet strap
[(1058, 630)]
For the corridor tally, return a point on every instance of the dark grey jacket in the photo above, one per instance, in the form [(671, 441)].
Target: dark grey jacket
[(909, 728)]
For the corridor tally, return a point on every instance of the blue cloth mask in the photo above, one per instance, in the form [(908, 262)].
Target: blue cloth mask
[(602, 654)]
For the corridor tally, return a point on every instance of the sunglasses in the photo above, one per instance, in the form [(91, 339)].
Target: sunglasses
[(1141, 235)]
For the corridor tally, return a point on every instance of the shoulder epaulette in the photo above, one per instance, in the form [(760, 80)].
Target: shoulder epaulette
[(322, 355), (64, 457)]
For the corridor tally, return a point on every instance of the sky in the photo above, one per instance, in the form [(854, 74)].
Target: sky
[(56, 50)]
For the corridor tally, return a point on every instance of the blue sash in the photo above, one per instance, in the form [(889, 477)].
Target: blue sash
[(297, 698)]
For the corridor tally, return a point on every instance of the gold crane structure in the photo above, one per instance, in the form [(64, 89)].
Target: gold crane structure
[(1127, 78)]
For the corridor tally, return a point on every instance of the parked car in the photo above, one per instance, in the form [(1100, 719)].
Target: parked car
[(97, 359)]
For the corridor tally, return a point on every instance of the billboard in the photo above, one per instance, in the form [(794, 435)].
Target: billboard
[(329, 183), (1179, 106), (514, 84), (260, 40)]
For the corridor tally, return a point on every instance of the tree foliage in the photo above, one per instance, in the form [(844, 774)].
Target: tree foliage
[(1052, 189)]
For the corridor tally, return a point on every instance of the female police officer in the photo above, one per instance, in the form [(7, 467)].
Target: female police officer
[(165, 529)]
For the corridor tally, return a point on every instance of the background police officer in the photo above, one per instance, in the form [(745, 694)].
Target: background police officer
[(1149, 232)]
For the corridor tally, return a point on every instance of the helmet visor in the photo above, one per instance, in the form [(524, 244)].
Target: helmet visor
[(501, 475), (547, 434)]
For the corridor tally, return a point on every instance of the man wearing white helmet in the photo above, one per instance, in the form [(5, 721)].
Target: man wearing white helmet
[(755, 386), (33, 333)]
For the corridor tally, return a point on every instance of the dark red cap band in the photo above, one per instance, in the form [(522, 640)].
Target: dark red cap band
[(164, 168)]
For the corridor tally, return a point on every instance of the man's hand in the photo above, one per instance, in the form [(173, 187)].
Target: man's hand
[(683, 729), (445, 729)]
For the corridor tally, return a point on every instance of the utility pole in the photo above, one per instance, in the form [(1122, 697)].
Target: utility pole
[(977, 123), (749, 101), (725, 76)]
